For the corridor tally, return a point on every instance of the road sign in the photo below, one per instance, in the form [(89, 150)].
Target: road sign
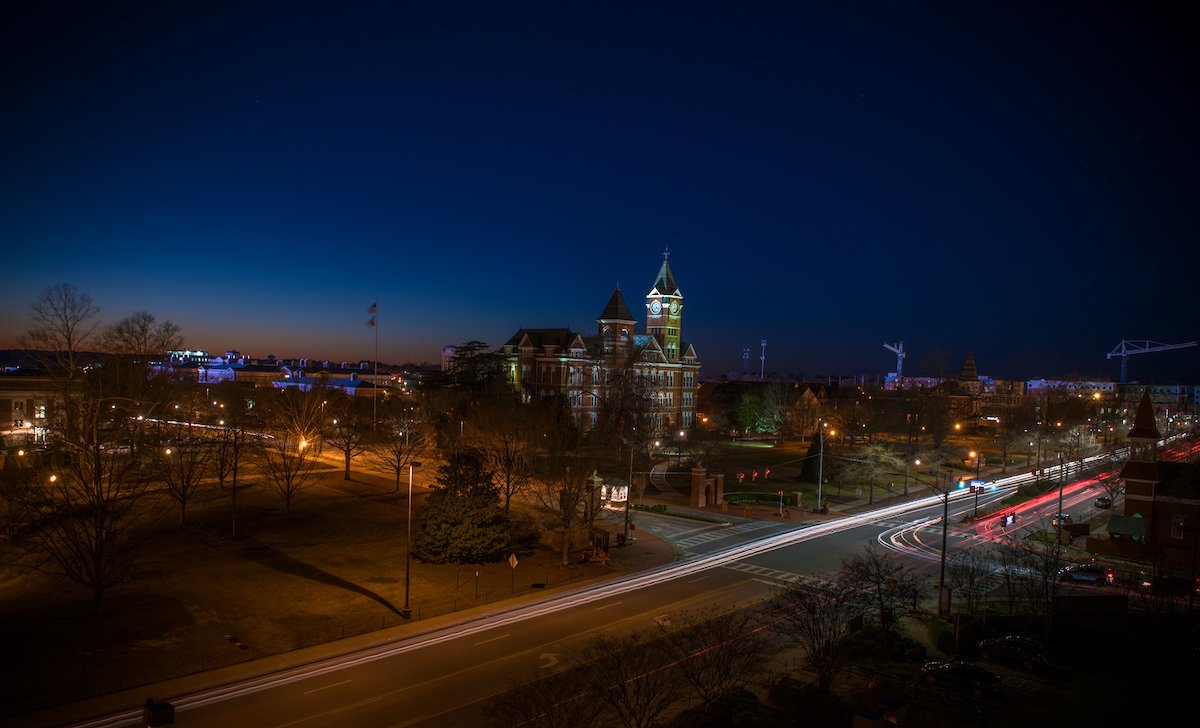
[(512, 560)]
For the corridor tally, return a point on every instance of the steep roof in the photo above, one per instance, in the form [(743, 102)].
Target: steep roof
[(561, 338), (1143, 423), (969, 374), (1142, 471), (616, 310), (665, 283)]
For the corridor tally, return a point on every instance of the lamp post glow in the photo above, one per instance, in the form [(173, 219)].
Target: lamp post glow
[(407, 613)]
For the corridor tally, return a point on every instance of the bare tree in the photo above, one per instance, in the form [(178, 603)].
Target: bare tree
[(559, 700), (61, 324), (632, 677), (505, 433), (289, 461), (403, 437), (821, 623), (561, 491), (718, 652), (347, 431), (891, 586), (90, 501), (141, 335), (234, 442), (871, 463), (968, 571), (184, 467)]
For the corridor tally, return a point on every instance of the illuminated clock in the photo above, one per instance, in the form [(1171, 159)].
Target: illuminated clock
[(674, 307), (655, 307)]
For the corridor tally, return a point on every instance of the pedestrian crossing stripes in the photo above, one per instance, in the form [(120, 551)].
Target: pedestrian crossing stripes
[(782, 577), (709, 536)]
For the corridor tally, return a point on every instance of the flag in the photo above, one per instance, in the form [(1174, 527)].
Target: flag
[(373, 307), (371, 323)]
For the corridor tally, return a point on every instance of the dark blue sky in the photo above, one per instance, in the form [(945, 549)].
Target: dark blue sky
[(1005, 178)]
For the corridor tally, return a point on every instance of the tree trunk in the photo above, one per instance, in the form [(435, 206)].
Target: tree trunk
[(347, 475)]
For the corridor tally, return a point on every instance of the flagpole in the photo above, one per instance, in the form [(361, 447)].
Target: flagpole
[(375, 383)]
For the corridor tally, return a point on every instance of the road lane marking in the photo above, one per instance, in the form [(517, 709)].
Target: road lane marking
[(606, 606), (491, 640), (317, 690), (693, 581)]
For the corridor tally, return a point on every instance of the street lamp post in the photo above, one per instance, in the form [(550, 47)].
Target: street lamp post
[(821, 461), (628, 494), (407, 613)]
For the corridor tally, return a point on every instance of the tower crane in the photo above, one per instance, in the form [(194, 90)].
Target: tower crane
[(1126, 348), (898, 350)]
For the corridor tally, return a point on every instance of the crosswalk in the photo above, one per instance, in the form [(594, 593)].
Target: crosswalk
[(781, 577), (726, 532)]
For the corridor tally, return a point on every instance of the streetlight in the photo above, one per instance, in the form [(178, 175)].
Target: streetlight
[(407, 613), (679, 451), (978, 456), (821, 460)]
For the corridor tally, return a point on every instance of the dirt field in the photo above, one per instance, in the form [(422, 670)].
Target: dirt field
[(199, 600)]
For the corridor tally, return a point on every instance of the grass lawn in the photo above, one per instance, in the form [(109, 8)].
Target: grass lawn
[(198, 599)]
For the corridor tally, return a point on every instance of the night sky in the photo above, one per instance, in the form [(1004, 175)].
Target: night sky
[(1017, 180)]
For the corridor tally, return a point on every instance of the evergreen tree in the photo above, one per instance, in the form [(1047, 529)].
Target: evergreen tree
[(462, 522)]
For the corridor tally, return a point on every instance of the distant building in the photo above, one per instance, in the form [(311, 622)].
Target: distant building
[(582, 369), (1160, 518)]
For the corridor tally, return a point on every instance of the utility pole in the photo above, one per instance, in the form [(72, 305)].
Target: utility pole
[(943, 600), (762, 361)]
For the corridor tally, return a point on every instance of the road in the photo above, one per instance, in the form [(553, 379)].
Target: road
[(445, 676)]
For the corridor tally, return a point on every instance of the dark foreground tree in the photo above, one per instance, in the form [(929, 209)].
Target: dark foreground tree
[(90, 501), (892, 588), (560, 700), (718, 653), (822, 623), (632, 676)]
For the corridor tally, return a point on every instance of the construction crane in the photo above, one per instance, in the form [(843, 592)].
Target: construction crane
[(1127, 348), (898, 350)]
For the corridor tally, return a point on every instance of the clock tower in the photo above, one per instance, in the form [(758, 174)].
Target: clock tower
[(664, 311)]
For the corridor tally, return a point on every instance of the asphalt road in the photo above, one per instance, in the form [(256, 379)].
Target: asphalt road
[(445, 677)]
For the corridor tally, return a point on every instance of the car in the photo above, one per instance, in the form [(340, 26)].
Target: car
[(961, 676), (1086, 573), (1104, 502), (1061, 519), (1013, 648)]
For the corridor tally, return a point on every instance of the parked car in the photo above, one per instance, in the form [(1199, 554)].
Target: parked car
[(1104, 502), (1060, 519), (1014, 648), (1087, 573), (961, 676)]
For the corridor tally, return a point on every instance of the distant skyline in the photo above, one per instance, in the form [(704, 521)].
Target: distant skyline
[(1014, 180)]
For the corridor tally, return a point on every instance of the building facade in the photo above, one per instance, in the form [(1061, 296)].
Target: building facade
[(587, 370)]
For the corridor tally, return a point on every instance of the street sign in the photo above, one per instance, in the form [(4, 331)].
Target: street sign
[(512, 560)]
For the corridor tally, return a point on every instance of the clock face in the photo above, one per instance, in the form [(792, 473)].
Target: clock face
[(674, 306), (655, 307)]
